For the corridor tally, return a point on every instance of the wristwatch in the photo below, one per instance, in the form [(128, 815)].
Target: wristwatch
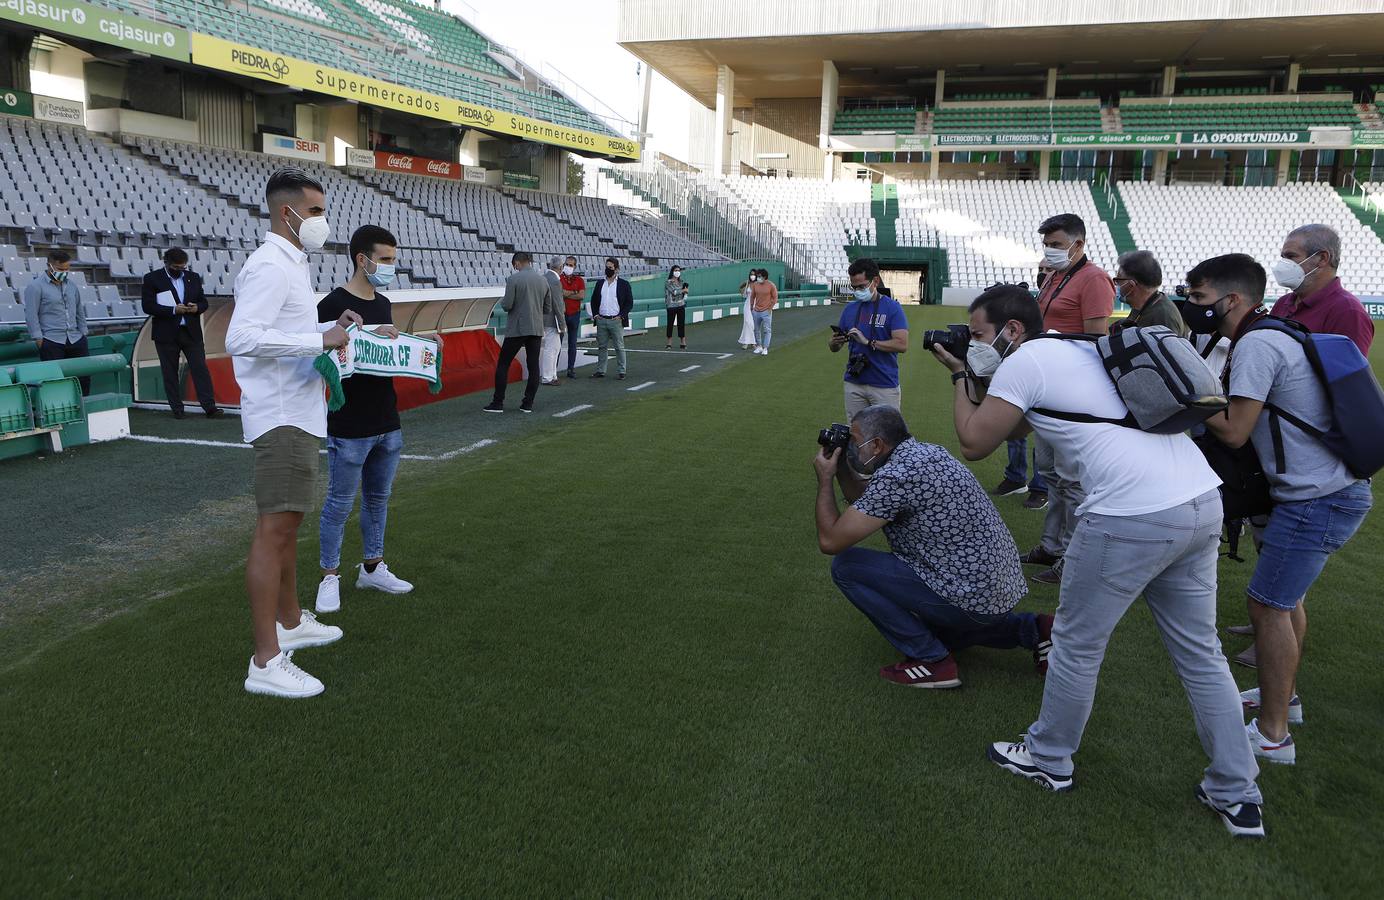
[(957, 376)]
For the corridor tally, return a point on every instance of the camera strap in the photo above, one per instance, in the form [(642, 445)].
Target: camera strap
[(1063, 283)]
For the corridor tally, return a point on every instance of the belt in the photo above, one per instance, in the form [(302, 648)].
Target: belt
[(610, 317)]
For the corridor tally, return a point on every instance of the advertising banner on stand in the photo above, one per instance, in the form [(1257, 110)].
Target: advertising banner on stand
[(1122, 139), (97, 23), (16, 103), (293, 147), (52, 109), (254, 62)]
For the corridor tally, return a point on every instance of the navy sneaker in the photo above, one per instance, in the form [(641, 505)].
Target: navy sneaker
[(1244, 820), (1014, 758)]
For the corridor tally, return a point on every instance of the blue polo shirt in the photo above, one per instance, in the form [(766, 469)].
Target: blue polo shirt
[(877, 319)]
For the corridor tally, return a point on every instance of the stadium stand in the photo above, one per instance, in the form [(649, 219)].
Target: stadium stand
[(1161, 115), (989, 229), (1039, 117), (118, 205), (878, 120), (401, 42), (822, 217), (1184, 224)]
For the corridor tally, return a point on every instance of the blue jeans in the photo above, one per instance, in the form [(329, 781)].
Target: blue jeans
[(1299, 538), (763, 321), (1017, 470), (573, 328), (920, 624), (358, 464)]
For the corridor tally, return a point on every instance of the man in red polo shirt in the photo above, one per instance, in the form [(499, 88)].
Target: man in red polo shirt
[(1077, 298), (573, 297), (1307, 267)]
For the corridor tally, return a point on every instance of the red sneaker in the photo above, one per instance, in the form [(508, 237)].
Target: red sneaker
[(920, 674), (1040, 653)]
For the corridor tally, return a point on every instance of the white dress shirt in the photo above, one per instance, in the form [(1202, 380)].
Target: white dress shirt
[(610, 297), (273, 338)]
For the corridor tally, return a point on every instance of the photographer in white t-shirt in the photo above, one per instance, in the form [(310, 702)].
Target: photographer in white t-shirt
[(1136, 534)]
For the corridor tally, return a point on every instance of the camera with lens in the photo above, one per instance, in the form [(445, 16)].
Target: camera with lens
[(954, 339), (834, 437), (1180, 290), (856, 365)]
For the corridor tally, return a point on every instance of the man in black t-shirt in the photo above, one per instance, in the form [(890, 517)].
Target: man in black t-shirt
[(363, 437)]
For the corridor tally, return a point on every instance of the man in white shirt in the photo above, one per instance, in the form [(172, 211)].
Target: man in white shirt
[(611, 302), (1136, 535), (273, 339)]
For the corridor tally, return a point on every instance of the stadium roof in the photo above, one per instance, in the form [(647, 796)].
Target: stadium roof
[(776, 47)]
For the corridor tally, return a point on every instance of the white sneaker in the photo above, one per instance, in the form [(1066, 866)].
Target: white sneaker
[(757, 348), (1284, 751), (281, 678), (764, 351), (1250, 700), (309, 633), (329, 594), (382, 580)]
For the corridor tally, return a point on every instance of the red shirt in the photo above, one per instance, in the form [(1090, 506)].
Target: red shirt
[(573, 283), (1331, 310), (1088, 294)]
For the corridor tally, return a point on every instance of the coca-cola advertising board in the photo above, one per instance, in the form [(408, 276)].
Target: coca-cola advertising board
[(416, 165)]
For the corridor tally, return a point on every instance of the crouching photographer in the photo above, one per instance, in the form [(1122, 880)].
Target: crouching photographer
[(952, 577), (1136, 534)]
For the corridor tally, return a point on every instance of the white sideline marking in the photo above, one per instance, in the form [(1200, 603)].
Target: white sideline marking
[(151, 439), (725, 356), (567, 412), (688, 369), (640, 387), (677, 352), (194, 442)]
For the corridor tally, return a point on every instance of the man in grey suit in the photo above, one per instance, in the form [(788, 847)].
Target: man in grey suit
[(525, 302), (554, 323)]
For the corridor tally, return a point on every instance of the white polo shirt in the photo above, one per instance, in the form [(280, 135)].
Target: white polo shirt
[(1124, 471), (273, 338)]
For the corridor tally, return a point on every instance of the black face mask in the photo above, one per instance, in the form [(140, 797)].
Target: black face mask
[(609, 271), (1203, 319)]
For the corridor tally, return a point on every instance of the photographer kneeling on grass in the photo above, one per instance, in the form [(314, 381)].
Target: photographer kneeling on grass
[(1138, 532), (953, 576)]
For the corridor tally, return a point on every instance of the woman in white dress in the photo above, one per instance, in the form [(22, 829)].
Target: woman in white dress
[(747, 340)]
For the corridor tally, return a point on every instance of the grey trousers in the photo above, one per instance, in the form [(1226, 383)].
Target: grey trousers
[(1169, 557), (860, 396), (1063, 498), (608, 332)]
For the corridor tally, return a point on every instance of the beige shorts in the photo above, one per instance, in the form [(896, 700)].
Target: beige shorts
[(286, 470), (859, 396)]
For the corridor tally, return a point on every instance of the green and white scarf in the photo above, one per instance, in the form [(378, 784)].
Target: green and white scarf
[(407, 356)]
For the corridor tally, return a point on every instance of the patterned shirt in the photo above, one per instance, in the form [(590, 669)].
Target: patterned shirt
[(944, 526)]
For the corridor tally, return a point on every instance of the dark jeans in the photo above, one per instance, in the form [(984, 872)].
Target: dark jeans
[(531, 344), (52, 350), (1018, 467), (196, 355), (573, 327), (919, 623), (677, 314)]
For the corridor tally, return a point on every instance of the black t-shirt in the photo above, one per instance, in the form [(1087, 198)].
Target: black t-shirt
[(371, 408)]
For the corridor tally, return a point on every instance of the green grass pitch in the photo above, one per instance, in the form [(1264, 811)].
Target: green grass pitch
[(624, 672)]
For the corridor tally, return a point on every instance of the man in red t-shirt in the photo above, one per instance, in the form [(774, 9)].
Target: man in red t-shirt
[(573, 296), (1077, 298)]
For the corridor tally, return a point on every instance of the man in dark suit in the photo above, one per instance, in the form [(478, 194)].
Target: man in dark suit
[(611, 302), (173, 298)]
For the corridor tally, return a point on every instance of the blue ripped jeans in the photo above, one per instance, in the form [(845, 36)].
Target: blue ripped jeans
[(366, 465)]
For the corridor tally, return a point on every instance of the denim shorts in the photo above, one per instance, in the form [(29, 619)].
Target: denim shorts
[(1299, 538)]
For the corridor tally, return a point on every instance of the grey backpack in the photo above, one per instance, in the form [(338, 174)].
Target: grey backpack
[(1160, 376)]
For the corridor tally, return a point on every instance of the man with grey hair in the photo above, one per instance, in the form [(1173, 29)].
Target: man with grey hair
[(554, 323), (1307, 267), (525, 302), (952, 576), (1137, 282)]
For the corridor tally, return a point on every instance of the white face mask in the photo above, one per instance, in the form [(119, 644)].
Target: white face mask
[(1289, 274), (1057, 258), (567, 270), (312, 232), (984, 359)]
